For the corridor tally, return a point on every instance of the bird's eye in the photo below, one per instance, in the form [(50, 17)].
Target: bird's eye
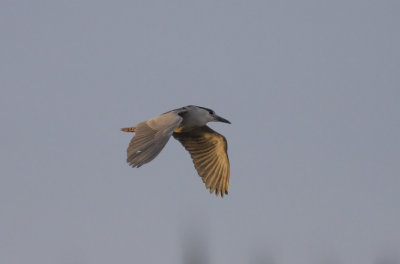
[(211, 112)]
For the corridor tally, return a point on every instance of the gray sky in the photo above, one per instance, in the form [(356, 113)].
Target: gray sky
[(312, 89)]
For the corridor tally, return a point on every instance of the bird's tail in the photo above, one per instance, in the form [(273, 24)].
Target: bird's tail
[(129, 129)]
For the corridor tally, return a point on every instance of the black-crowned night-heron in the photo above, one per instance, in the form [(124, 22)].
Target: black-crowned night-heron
[(207, 148)]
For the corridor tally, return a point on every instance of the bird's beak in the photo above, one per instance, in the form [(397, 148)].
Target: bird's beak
[(220, 119)]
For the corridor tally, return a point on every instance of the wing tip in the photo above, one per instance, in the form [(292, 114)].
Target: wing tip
[(218, 192)]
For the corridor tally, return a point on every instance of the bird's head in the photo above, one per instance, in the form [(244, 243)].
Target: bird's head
[(211, 116)]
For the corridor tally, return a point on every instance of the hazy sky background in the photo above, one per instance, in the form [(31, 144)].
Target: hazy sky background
[(312, 89)]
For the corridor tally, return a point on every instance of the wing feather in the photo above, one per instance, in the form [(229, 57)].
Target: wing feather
[(214, 179), (151, 137), (208, 150)]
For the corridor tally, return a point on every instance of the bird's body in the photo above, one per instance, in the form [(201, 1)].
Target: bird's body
[(207, 148)]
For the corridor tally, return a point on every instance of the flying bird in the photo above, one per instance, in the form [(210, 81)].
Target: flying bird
[(207, 148)]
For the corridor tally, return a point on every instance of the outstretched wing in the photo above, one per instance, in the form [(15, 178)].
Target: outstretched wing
[(208, 150), (151, 137)]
